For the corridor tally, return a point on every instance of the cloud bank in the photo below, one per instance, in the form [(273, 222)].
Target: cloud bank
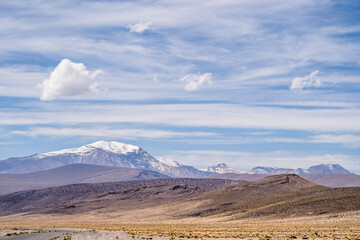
[(68, 79), (139, 27), (308, 81), (195, 81)]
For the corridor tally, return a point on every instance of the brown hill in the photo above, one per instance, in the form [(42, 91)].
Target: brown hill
[(70, 174), (41, 199), (273, 196), (278, 195), (329, 180)]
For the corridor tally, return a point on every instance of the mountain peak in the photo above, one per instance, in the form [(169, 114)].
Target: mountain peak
[(327, 169), (221, 168), (107, 146), (115, 147)]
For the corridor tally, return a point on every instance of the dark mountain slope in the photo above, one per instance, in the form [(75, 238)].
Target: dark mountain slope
[(42, 198), (70, 174)]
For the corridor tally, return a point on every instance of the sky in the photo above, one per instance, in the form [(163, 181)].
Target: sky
[(242, 82)]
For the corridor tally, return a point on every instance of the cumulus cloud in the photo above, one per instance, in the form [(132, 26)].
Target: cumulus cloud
[(194, 81), (68, 79), (308, 81), (139, 27)]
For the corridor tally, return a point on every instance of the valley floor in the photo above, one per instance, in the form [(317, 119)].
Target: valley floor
[(327, 226)]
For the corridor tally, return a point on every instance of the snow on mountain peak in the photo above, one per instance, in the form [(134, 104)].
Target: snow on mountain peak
[(115, 147), (168, 161), (221, 168)]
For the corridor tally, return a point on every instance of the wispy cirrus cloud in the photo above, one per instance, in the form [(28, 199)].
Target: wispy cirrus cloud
[(345, 139), (110, 132), (68, 79), (195, 115), (275, 40)]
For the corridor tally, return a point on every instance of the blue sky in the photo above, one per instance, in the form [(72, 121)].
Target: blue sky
[(248, 83)]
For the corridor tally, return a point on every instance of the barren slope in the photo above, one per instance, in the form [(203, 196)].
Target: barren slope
[(43, 198), (278, 195), (70, 174)]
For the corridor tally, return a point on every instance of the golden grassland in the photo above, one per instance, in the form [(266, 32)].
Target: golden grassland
[(341, 226)]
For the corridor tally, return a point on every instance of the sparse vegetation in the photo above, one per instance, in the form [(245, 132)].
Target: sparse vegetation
[(255, 229)]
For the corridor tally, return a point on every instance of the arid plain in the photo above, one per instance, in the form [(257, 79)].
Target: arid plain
[(276, 207)]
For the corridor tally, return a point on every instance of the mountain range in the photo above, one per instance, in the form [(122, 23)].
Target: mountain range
[(116, 154), (317, 169), (103, 153)]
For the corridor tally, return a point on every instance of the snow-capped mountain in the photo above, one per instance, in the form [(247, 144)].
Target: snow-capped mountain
[(327, 169), (318, 169), (99, 153), (221, 168), (275, 170), (177, 169)]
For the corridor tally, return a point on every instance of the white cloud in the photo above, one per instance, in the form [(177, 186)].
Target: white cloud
[(322, 104), (110, 132), (346, 139), (308, 81), (139, 27), (68, 79), (194, 81), (207, 115), (155, 78)]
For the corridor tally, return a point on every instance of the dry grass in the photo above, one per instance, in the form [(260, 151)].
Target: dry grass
[(343, 226)]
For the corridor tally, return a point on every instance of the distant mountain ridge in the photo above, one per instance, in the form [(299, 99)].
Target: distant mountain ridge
[(221, 168), (317, 169), (103, 153)]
